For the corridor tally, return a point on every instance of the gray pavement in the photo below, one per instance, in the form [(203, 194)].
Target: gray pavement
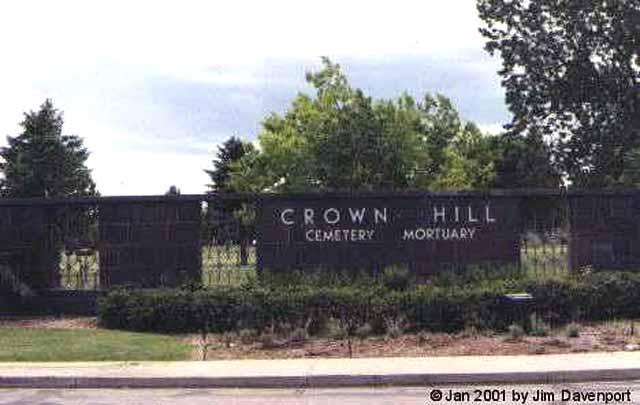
[(343, 396), (313, 373)]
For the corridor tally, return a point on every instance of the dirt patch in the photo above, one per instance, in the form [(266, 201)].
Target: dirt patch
[(85, 322), (592, 338)]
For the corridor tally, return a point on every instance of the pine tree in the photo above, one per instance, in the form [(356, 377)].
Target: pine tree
[(232, 150), (41, 162)]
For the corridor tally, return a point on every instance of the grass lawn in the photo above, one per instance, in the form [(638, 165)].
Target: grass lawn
[(32, 344)]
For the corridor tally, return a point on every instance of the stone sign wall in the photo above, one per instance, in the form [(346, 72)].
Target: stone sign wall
[(428, 232), (27, 247), (604, 230), (149, 243), (158, 240)]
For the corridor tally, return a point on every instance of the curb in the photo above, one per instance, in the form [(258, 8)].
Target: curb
[(324, 381)]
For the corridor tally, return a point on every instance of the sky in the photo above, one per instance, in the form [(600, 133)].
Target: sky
[(153, 87)]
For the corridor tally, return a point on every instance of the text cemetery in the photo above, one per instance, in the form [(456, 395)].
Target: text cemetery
[(466, 217)]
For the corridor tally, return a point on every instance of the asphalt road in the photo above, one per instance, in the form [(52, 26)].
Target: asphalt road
[(546, 394)]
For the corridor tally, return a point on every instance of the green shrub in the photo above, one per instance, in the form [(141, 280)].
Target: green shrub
[(573, 330), (395, 326), (334, 329), (247, 336), (298, 335), (516, 333), (429, 307), (539, 329), (269, 340), (396, 278), (364, 331)]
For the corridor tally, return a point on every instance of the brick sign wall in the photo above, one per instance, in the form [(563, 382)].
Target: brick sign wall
[(425, 231)]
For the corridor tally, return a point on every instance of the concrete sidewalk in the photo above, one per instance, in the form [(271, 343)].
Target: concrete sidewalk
[(301, 373)]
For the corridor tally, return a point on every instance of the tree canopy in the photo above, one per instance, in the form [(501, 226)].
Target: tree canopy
[(571, 70), (41, 162), (230, 152), (341, 139)]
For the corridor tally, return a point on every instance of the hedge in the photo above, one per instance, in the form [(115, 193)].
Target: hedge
[(426, 307)]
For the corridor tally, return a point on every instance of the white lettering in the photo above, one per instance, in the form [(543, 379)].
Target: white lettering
[(357, 216), (488, 216), (471, 218), (308, 216), (439, 214), (463, 233), (380, 215), (445, 234), (288, 211), (336, 217)]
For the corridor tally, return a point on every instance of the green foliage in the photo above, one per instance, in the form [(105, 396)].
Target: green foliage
[(570, 70), (394, 326), (523, 162), (516, 333), (41, 162), (396, 277), (600, 296), (364, 330), (573, 330), (539, 329), (333, 329), (229, 153), (298, 335), (341, 139), (468, 162)]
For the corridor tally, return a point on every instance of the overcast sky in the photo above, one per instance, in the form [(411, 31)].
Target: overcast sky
[(153, 87)]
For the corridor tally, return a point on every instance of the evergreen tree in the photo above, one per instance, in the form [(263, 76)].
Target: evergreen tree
[(41, 162), (230, 152)]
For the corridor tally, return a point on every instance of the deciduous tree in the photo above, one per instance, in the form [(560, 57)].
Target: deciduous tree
[(342, 139), (571, 70)]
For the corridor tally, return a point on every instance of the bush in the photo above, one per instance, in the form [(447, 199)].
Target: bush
[(396, 277), (539, 328), (334, 329), (364, 331), (282, 308), (516, 333), (573, 330)]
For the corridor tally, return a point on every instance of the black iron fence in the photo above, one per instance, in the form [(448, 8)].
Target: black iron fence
[(96, 243)]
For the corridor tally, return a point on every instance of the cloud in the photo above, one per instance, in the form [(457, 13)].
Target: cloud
[(153, 87)]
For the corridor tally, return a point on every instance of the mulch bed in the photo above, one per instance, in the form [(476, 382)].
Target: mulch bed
[(607, 336)]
